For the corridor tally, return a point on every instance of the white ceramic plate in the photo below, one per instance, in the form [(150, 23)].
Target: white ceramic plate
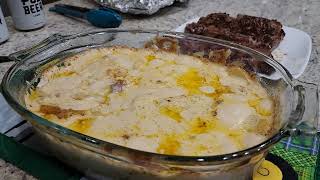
[(293, 52)]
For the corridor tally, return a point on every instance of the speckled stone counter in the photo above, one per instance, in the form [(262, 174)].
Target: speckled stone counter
[(299, 14)]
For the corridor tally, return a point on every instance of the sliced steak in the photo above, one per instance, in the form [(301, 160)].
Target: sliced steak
[(255, 32), (258, 33)]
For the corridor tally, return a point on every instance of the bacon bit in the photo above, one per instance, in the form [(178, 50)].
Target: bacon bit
[(168, 44), (117, 74), (220, 55), (118, 86), (214, 113), (125, 136), (163, 43), (60, 113)]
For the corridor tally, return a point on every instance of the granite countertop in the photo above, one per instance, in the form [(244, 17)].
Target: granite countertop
[(303, 15)]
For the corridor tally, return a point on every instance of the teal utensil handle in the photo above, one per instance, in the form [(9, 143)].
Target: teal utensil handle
[(36, 164), (67, 11)]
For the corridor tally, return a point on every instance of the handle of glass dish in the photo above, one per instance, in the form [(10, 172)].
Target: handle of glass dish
[(305, 118), (57, 43), (40, 47)]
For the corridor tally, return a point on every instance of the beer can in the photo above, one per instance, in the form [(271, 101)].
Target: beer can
[(4, 35), (27, 14)]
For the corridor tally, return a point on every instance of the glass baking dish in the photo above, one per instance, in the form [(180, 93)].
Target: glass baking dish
[(297, 107)]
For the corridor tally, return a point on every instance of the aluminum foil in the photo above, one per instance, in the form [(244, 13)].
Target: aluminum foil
[(137, 6)]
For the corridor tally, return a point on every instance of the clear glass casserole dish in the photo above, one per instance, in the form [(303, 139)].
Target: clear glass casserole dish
[(297, 107)]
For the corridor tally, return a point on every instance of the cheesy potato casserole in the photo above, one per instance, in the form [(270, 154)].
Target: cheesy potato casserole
[(155, 101)]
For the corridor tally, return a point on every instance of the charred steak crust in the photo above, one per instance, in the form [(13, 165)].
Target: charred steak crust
[(258, 33), (255, 32)]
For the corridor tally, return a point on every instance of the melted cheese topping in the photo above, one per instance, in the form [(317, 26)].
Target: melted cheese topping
[(155, 101)]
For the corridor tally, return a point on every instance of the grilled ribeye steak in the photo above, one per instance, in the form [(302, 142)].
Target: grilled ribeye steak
[(257, 33)]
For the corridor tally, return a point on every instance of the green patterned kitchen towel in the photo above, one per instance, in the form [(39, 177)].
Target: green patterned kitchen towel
[(36, 164), (301, 152)]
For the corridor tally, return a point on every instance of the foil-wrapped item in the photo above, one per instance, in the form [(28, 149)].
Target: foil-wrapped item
[(137, 6)]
